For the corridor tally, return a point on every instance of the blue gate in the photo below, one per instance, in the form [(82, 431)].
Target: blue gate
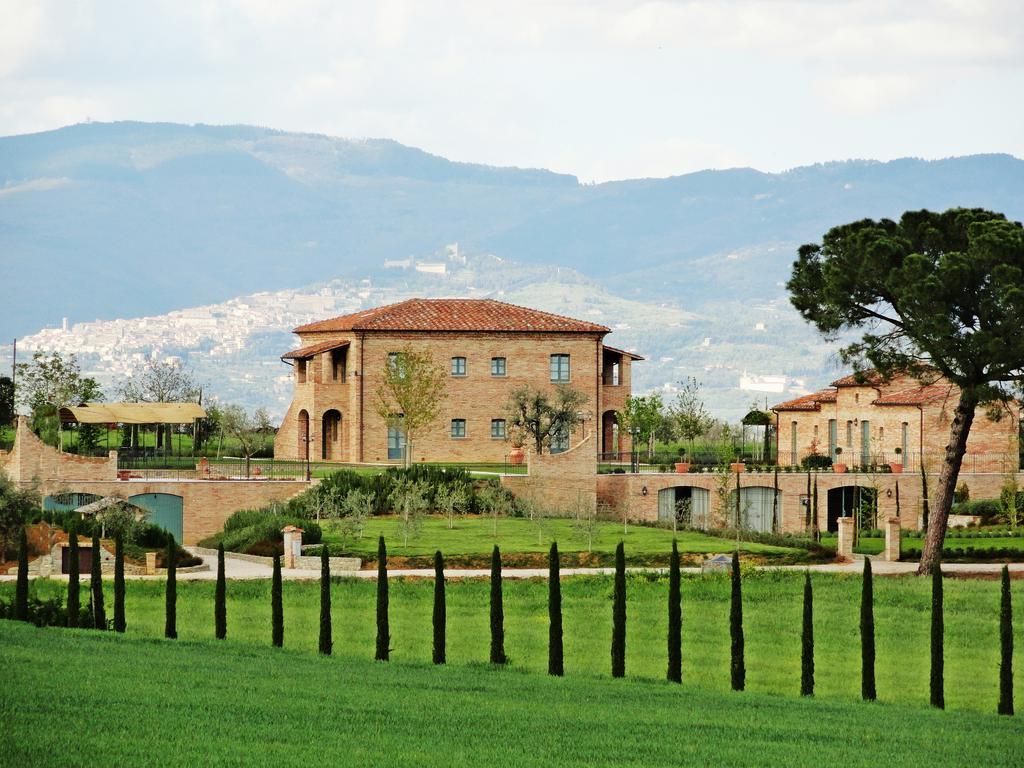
[(165, 510)]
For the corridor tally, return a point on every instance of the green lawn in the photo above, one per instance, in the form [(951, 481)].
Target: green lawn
[(183, 703), (772, 611), (874, 545), (474, 535)]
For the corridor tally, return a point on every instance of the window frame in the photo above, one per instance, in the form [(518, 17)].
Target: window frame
[(452, 433), (560, 357), (503, 364), (464, 366), (503, 430)]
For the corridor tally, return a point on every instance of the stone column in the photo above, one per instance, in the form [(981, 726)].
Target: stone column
[(151, 563), (292, 545), (845, 550), (892, 539)]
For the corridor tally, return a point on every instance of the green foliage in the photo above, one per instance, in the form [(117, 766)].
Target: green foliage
[(439, 618), (938, 661), (556, 653), (50, 382), (807, 641), (220, 609), (408, 500), (534, 414), (119, 617), (276, 605), (867, 634), (962, 494), (1005, 646), (258, 531), (737, 665), (497, 611), (6, 401), (39, 612), (74, 595), (675, 619), (171, 593), (411, 393), (383, 650), (96, 584), (326, 641), (619, 614), (21, 591), (816, 461), (18, 507)]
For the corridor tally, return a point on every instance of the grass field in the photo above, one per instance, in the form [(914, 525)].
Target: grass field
[(474, 535), (772, 611), (179, 703)]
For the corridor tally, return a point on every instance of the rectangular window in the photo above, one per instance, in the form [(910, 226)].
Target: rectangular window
[(497, 366), (905, 440), (865, 443), (560, 368), (458, 366), (560, 440), (833, 438), (300, 371), (498, 429), (792, 444), (396, 443), (392, 359), (849, 434), (458, 427)]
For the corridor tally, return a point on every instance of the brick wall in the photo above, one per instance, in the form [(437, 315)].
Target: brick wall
[(560, 483), (31, 459)]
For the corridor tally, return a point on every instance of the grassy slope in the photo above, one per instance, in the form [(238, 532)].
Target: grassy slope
[(772, 610), (474, 535), (203, 704)]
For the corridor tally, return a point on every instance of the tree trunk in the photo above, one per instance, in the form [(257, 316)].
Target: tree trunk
[(963, 417)]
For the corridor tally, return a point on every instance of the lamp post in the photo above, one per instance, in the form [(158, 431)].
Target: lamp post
[(308, 440)]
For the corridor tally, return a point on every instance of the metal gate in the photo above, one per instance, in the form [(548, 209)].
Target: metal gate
[(165, 510)]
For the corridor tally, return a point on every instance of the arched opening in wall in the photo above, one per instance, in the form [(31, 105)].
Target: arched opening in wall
[(610, 438), (330, 436), (687, 504), (303, 435), (163, 509), (853, 501), (66, 501), (760, 509)]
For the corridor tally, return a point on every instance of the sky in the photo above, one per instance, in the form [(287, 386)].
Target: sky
[(602, 90)]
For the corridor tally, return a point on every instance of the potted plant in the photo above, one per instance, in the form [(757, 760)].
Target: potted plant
[(737, 465), (837, 466), (682, 466), (897, 466), (517, 454)]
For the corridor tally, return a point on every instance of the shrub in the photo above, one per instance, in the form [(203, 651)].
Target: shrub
[(816, 461), (41, 613), (258, 531)]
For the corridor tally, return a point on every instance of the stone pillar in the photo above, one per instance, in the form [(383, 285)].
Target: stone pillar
[(292, 545), (845, 550), (892, 539), (151, 563)]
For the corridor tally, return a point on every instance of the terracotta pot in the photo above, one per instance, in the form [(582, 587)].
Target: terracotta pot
[(839, 468), (682, 467), (737, 467), (516, 456), (896, 468)]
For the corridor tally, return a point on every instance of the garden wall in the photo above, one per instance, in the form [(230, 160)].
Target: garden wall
[(562, 482)]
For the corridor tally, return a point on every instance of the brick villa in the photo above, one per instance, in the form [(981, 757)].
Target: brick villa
[(866, 421), (489, 349)]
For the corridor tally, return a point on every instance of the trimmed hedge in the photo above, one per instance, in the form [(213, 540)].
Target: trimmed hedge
[(258, 532)]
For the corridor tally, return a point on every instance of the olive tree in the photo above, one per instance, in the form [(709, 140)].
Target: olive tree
[(541, 415), (932, 295)]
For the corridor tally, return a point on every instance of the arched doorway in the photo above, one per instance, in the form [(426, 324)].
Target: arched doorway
[(65, 502), (760, 509), (610, 445), (165, 510), (330, 436), (687, 504), (852, 501), (303, 435)]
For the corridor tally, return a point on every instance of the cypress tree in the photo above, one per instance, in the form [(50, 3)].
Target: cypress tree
[(556, 663), (171, 618), (21, 588), (675, 619), (276, 609), (807, 641), (814, 512), (867, 635), (1005, 648), (737, 665), (440, 618), (383, 629), (220, 605), (938, 697), (73, 589), (619, 614), (99, 616), (326, 642), (119, 622), (497, 611)]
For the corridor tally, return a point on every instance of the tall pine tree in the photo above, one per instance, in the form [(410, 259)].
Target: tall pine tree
[(21, 588), (276, 606), (737, 666), (74, 593), (383, 626), (807, 641), (220, 598), (867, 634), (675, 619), (326, 641), (619, 614), (497, 611), (171, 594), (1005, 647), (99, 615), (556, 662), (119, 619), (938, 695), (440, 617)]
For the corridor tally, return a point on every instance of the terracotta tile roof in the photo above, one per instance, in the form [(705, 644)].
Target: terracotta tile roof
[(919, 395), (454, 315), (622, 352), (811, 402), (313, 349), (863, 379)]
